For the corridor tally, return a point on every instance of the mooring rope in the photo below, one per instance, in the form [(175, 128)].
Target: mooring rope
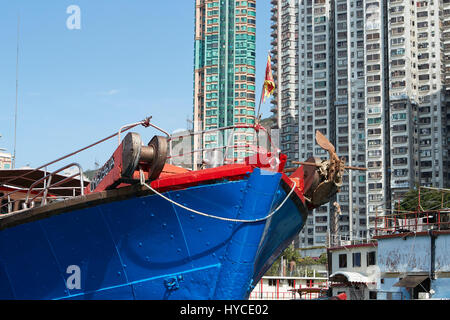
[(214, 216)]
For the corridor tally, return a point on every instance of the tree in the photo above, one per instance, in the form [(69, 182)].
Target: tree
[(289, 255), (429, 200), (323, 259)]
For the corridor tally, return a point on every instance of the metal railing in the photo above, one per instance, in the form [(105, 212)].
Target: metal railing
[(415, 221), (218, 146), (346, 240), (35, 194), (32, 195), (308, 290), (47, 181), (190, 146)]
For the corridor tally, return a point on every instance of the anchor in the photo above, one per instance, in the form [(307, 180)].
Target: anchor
[(322, 178)]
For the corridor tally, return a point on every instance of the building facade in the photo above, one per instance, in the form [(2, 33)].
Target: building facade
[(5, 160), (370, 75), (413, 256), (353, 270), (224, 68), (417, 95)]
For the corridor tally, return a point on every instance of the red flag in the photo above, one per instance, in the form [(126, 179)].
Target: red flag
[(269, 83)]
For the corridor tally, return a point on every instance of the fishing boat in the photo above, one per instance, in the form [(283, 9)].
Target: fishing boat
[(147, 228)]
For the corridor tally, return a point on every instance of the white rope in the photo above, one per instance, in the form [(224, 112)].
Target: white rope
[(221, 218)]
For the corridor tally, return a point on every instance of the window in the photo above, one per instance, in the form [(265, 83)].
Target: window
[(371, 258), (373, 36), (356, 259), (375, 186), (400, 161), (399, 116), (374, 164), (343, 260), (373, 120), (374, 67), (374, 153), (375, 142)]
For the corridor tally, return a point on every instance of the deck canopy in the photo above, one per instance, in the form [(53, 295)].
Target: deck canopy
[(349, 277), (23, 179), (411, 281)]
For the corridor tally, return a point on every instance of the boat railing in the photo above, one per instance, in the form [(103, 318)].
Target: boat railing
[(30, 197), (35, 194), (218, 146), (47, 181), (189, 149), (8, 204)]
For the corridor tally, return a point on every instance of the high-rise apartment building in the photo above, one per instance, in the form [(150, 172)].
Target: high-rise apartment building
[(418, 107), (445, 41), (375, 135), (224, 71), (370, 75)]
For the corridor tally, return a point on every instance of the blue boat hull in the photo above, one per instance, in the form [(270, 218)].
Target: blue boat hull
[(144, 247)]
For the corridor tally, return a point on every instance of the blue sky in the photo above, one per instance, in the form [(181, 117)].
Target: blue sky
[(129, 60)]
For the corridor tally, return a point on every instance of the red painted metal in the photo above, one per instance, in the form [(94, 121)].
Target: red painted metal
[(174, 178), (342, 296), (112, 177), (193, 178), (278, 289), (261, 286), (438, 219)]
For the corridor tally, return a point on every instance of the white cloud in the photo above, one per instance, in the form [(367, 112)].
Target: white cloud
[(109, 93)]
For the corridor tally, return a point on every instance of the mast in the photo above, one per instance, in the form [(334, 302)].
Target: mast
[(17, 94)]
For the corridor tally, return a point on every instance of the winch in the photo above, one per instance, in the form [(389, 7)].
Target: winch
[(128, 159)]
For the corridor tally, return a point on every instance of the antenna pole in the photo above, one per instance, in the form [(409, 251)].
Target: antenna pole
[(17, 94)]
